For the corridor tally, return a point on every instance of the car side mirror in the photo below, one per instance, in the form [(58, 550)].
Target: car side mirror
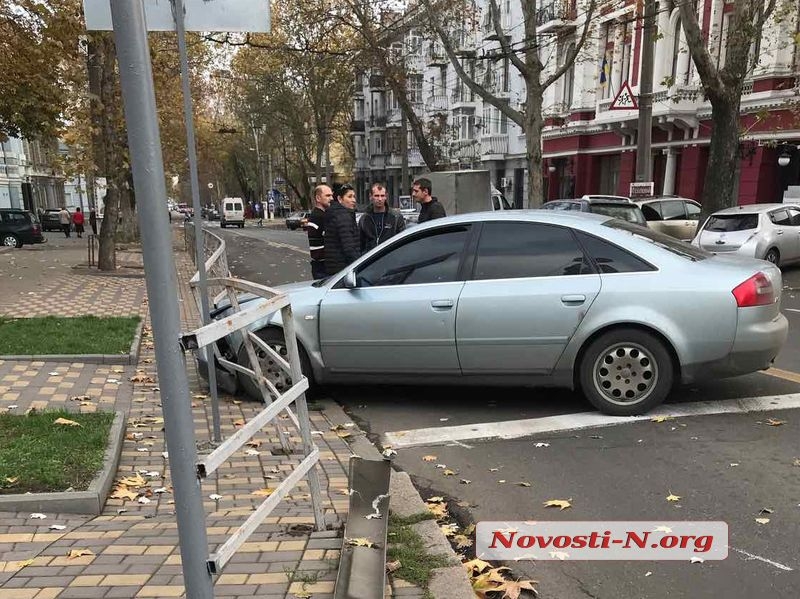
[(349, 280)]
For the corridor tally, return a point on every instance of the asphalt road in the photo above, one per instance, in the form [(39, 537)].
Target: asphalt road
[(731, 467)]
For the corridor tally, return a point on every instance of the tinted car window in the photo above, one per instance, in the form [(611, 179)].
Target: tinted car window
[(609, 258), (673, 210), (433, 258), (16, 218), (663, 241), (627, 212), (521, 250), (692, 210), (651, 212), (780, 217), (731, 222), (794, 217)]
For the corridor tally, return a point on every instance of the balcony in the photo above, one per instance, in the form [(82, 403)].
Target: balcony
[(377, 162), (377, 82), (394, 117), (437, 56), (489, 32), (414, 63), (437, 103), (465, 150), (466, 45), (495, 146), (415, 159), (377, 121), (357, 126), (556, 15), (463, 98), (395, 160)]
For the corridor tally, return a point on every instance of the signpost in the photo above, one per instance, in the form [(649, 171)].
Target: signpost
[(624, 100), (641, 189)]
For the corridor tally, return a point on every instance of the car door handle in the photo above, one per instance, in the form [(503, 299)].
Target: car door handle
[(445, 304), (780, 232), (573, 300)]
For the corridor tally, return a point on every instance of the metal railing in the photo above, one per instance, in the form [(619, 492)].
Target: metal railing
[(92, 248), (216, 265)]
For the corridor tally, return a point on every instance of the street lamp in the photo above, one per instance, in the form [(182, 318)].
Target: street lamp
[(784, 159)]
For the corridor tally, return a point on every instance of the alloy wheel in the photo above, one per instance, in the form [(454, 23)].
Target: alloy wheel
[(625, 373), (10, 241)]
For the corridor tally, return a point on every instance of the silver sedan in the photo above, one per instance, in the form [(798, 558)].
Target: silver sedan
[(535, 298), (766, 231)]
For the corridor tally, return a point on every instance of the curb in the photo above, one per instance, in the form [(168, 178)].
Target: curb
[(450, 582), (131, 358), (90, 501)]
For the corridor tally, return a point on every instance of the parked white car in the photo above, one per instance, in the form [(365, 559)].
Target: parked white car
[(770, 232), (232, 212)]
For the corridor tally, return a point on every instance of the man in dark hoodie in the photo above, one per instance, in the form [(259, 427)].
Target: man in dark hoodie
[(421, 191), (379, 222), (342, 241)]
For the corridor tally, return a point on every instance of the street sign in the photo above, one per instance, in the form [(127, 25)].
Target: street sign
[(625, 100), (278, 181), (201, 15), (641, 189)]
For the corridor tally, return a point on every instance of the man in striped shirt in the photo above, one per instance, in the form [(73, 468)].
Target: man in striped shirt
[(315, 227)]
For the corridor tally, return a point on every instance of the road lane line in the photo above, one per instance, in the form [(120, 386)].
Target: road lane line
[(791, 309), (761, 559), (783, 374), (514, 429)]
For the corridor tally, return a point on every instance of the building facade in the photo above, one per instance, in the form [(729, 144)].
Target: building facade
[(27, 176), (587, 147)]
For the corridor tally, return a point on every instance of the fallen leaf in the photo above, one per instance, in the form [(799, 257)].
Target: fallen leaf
[(81, 398), (254, 443), (239, 422), (143, 500), (696, 560), (65, 422), (344, 435), (142, 378), (436, 499), (796, 462), (469, 530), (263, 492), (562, 504), (522, 484), (393, 566), (449, 472), (476, 566), (541, 444), (38, 516), (133, 481), (302, 595), (57, 527), (215, 497), (462, 541), (252, 452), (560, 555), (389, 453), (449, 530), (661, 418), (123, 493), (439, 510), (359, 542), (73, 553), (19, 565), (12, 479), (774, 422), (465, 481), (429, 458), (513, 588), (762, 520), (672, 497)]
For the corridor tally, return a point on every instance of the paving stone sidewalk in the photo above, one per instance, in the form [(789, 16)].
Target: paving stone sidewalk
[(133, 546)]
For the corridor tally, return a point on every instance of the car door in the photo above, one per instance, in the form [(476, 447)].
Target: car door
[(786, 233), (673, 219), (692, 218), (531, 287), (401, 316)]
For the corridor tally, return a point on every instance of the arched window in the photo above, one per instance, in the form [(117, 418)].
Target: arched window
[(676, 51)]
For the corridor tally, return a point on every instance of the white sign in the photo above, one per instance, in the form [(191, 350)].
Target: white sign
[(625, 99), (642, 189), (201, 15)]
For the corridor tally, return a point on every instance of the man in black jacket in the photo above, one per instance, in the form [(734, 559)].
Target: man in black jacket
[(342, 241), (315, 227), (421, 191), (380, 222)]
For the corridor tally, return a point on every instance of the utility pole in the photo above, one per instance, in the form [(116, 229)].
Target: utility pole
[(644, 169), (404, 186)]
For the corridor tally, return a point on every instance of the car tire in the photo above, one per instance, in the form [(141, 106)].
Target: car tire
[(774, 256), (625, 372), (11, 241), (274, 338)]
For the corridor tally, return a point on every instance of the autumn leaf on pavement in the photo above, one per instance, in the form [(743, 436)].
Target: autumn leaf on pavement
[(393, 566), (123, 493), (762, 520), (14, 566), (462, 541), (239, 422), (661, 418), (142, 378), (673, 497), (439, 510), (796, 462), (774, 422), (449, 530), (133, 481), (429, 458), (65, 422), (522, 484), (74, 553), (513, 588), (483, 585), (254, 443), (476, 566), (562, 504), (263, 492), (469, 530), (359, 542), (449, 472), (436, 499), (302, 595)]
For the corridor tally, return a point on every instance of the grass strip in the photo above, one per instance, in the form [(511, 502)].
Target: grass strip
[(59, 335), (38, 456), (406, 546)]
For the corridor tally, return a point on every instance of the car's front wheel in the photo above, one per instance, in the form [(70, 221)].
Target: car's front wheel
[(11, 241), (626, 372), (773, 255), (269, 367)]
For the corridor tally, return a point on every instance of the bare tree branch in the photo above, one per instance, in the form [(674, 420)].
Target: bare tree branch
[(503, 39), (708, 72), (572, 54)]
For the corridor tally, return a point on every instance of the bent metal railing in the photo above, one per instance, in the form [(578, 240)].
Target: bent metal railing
[(275, 400)]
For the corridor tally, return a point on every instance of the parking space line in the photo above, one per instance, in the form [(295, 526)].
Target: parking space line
[(783, 374), (513, 429), (752, 556)]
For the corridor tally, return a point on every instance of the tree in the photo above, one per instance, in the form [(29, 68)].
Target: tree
[(529, 66), (723, 88)]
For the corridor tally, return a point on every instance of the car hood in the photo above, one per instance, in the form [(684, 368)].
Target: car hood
[(303, 293)]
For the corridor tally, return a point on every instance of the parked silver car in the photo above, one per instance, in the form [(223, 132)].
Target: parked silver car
[(539, 298), (766, 231)]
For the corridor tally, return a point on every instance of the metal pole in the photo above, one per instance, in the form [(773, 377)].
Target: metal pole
[(199, 239), (144, 142), (644, 169)]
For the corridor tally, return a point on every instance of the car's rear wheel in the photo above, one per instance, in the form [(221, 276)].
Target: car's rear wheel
[(626, 372), (275, 374), (11, 241), (773, 255)]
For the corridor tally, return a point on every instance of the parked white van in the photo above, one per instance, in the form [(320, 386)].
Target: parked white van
[(232, 212)]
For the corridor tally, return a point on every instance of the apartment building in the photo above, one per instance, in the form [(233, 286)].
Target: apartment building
[(587, 147), (27, 177)]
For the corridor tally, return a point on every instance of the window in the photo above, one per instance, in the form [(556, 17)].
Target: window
[(16, 218), (672, 210), (665, 242), (431, 259), (692, 211), (731, 222), (569, 81), (794, 217), (415, 88), (651, 212), (465, 123), (780, 217), (523, 250), (609, 258)]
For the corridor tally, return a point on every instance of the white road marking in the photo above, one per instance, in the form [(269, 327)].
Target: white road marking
[(761, 559), (513, 429), (791, 310)]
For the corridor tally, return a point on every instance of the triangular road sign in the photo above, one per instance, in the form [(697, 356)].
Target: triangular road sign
[(625, 100)]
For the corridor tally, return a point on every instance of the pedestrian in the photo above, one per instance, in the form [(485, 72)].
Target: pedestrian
[(65, 220), (93, 220), (315, 228), (342, 241), (379, 222), (78, 220), (421, 191), (260, 214)]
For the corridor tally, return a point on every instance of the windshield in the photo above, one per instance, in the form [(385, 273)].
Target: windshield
[(732, 222), (665, 242), (626, 212)]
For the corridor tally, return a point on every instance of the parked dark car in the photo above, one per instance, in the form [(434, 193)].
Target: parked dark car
[(296, 219), (614, 206), (18, 227), (51, 221)]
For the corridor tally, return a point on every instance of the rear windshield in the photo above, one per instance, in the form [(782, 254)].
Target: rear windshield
[(732, 222), (626, 212), (665, 242)]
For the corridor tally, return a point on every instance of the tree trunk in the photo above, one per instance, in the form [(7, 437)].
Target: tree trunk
[(723, 156), (127, 227), (533, 146)]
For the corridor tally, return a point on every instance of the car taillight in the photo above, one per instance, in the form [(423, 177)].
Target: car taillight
[(755, 291)]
